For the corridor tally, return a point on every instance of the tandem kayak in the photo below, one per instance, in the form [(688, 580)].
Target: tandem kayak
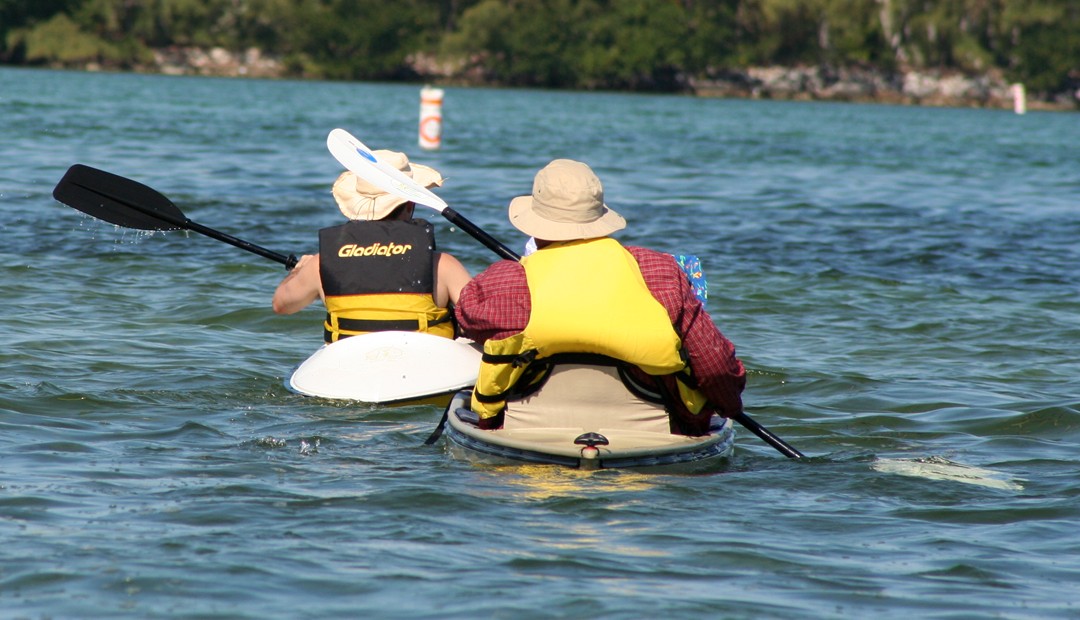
[(585, 448), (389, 368)]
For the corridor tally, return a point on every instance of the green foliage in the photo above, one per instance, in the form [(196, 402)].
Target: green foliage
[(523, 43), (785, 32), (60, 41), (851, 32), (1046, 48), (634, 43), (18, 18), (481, 29), (361, 39), (710, 36), (588, 43)]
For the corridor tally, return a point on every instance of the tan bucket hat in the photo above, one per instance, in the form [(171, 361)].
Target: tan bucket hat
[(360, 200), (567, 203)]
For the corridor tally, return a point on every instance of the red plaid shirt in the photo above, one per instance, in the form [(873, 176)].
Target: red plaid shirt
[(496, 304)]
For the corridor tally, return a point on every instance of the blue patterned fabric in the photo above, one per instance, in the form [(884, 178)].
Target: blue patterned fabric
[(691, 265)]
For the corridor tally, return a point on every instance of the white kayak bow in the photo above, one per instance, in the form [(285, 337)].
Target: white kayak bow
[(388, 367)]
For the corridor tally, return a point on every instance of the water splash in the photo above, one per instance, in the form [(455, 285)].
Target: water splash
[(308, 449), (130, 237), (270, 442), (120, 235)]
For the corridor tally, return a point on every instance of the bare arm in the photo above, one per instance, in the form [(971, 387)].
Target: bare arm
[(302, 286), (450, 277)]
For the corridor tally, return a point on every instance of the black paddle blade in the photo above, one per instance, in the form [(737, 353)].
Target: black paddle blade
[(118, 200)]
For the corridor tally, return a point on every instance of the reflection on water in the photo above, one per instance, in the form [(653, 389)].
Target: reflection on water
[(543, 482)]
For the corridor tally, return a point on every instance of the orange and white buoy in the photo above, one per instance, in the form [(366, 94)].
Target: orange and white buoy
[(431, 117)]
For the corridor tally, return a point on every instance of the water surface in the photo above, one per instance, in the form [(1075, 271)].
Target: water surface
[(902, 284)]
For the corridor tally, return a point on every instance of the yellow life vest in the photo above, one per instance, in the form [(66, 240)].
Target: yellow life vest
[(587, 297)]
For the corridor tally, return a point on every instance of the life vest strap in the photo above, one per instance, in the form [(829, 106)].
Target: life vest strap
[(641, 390), (517, 360), (538, 371)]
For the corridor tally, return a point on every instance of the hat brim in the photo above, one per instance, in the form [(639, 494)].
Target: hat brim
[(525, 219), (426, 176)]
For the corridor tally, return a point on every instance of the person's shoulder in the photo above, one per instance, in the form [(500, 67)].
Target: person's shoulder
[(653, 257), (503, 269), (660, 269), (501, 278)]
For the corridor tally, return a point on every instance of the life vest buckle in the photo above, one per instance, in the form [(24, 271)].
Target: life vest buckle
[(525, 358)]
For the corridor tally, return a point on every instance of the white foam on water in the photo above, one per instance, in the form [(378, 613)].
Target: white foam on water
[(938, 468)]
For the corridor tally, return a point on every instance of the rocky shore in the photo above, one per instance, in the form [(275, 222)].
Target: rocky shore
[(868, 86), (789, 83), (216, 61)]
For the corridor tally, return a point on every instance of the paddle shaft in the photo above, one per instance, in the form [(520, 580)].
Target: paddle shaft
[(289, 261), (479, 234), (767, 436)]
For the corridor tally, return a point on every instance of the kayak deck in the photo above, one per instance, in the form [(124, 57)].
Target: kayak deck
[(582, 448)]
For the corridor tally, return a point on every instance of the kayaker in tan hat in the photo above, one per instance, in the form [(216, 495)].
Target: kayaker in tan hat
[(586, 332), (379, 271)]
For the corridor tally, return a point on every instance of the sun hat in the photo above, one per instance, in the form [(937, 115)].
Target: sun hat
[(567, 203), (360, 200)]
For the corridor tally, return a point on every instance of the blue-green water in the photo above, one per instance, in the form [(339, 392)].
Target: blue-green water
[(902, 283)]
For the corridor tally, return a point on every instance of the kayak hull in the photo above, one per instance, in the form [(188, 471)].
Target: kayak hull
[(625, 449)]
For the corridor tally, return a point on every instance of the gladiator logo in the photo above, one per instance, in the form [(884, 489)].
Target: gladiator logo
[(375, 249)]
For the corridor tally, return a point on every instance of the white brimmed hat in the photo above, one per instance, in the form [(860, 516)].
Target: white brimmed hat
[(567, 203), (360, 200)]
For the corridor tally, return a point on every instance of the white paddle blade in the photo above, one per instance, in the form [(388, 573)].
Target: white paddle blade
[(386, 367), (358, 158)]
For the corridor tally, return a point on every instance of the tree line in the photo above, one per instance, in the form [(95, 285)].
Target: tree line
[(583, 44)]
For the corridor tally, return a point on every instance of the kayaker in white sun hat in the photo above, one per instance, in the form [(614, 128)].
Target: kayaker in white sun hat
[(584, 319), (378, 271)]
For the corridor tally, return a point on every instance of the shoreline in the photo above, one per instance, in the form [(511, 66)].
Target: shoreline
[(822, 83)]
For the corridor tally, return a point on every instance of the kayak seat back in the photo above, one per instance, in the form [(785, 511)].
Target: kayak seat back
[(586, 396)]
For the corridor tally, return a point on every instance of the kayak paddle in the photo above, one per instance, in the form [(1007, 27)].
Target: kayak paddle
[(358, 158), (131, 204)]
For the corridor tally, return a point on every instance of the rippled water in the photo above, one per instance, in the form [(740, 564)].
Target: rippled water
[(903, 285)]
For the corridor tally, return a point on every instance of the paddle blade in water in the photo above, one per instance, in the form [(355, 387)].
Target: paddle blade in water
[(117, 200)]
